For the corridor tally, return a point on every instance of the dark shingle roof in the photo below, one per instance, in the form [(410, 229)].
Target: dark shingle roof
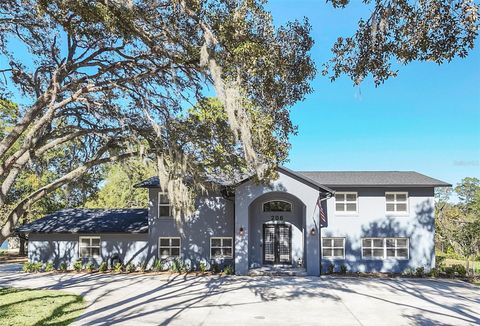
[(82, 220), (374, 178), (348, 178), (152, 182)]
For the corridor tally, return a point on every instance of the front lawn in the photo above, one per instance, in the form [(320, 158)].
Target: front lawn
[(38, 307)]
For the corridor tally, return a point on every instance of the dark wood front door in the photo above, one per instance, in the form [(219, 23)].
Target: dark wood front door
[(277, 244)]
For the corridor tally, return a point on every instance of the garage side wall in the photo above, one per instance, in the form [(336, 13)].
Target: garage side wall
[(64, 248)]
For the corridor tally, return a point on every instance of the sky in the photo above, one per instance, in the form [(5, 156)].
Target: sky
[(427, 119)]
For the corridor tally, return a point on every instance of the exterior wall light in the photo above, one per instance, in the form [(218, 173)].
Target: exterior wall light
[(313, 231), (241, 231)]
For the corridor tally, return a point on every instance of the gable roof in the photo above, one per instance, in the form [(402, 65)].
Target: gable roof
[(82, 220), (374, 179)]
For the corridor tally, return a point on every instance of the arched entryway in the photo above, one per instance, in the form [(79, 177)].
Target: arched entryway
[(277, 231)]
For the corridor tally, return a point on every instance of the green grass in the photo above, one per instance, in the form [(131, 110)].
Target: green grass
[(39, 307)]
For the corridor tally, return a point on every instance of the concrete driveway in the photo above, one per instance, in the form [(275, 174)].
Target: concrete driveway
[(189, 300)]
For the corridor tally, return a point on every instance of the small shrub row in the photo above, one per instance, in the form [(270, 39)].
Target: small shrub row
[(174, 266), (342, 269)]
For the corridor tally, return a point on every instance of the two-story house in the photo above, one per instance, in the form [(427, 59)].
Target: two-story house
[(367, 221)]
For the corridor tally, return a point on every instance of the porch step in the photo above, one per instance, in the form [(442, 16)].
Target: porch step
[(277, 271)]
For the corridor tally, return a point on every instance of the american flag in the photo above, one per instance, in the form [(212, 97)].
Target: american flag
[(323, 215)]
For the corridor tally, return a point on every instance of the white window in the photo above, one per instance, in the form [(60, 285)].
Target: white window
[(396, 202), (373, 248), (333, 247), (385, 248), (164, 208), (397, 248), (89, 247), (346, 202), (221, 247), (277, 206), (168, 247)]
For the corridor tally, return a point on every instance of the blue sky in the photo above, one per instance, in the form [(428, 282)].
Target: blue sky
[(427, 119)]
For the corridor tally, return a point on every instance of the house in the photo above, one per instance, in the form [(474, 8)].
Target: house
[(366, 221)]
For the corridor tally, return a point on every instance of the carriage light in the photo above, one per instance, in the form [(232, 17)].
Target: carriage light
[(313, 231), (241, 231)]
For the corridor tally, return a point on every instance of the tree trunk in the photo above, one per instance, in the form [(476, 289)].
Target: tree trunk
[(12, 219)]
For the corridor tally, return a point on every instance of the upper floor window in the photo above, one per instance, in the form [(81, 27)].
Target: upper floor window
[(346, 202), (277, 206), (396, 202), (89, 247), (164, 207)]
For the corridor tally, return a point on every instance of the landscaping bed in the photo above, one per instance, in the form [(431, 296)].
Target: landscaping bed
[(158, 267), (39, 307)]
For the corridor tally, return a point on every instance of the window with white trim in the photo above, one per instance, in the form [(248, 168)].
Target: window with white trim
[(396, 202), (168, 247), (385, 248), (333, 247), (277, 206), (346, 202), (221, 247), (397, 248), (164, 207), (89, 247), (373, 248)]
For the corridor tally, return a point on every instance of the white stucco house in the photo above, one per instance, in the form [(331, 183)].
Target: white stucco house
[(367, 221)]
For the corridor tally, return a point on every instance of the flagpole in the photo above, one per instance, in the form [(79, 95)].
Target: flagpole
[(325, 217)]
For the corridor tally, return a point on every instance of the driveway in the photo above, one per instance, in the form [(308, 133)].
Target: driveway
[(189, 300)]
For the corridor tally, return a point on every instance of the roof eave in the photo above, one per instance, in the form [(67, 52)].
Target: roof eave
[(377, 185)]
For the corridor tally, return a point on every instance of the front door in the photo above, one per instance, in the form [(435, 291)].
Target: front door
[(277, 244)]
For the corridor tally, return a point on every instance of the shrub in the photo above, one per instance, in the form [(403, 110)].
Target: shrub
[(408, 272), (176, 266), (103, 267), (157, 265), (449, 271), (118, 267), (459, 270), (330, 268), (130, 268), (89, 267), (77, 265), (27, 267), (203, 266), (343, 269), (228, 270), (215, 268), (434, 272), (143, 267), (49, 267), (62, 267), (37, 267), (439, 261), (420, 272)]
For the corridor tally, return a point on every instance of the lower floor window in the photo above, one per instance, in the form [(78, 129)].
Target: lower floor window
[(169, 247), (221, 247), (333, 247), (397, 248), (381, 248), (89, 247)]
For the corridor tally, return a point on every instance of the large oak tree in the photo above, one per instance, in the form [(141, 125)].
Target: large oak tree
[(108, 80)]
